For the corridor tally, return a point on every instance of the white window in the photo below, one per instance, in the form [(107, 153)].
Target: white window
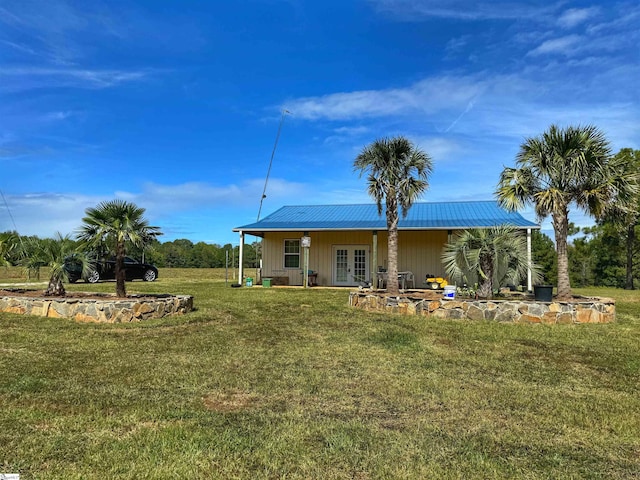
[(292, 253)]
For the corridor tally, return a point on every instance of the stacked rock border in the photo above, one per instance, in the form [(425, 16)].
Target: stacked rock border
[(577, 310), (99, 308)]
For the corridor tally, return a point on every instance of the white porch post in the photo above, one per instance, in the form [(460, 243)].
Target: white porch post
[(375, 259), (305, 241), (529, 281), (241, 259)]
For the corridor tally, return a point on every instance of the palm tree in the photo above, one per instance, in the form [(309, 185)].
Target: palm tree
[(116, 222), (55, 253), (565, 167), (8, 243), (398, 173), (489, 257)]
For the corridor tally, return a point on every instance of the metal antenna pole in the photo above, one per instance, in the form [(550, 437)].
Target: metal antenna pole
[(15, 227), (9, 211), (273, 152)]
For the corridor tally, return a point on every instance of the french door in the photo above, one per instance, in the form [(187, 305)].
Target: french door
[(350, 265)]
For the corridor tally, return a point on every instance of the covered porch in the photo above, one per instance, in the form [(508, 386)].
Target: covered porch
[(346, 245)]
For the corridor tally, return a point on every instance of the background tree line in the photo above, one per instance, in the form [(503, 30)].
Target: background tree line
[(597, 254), (181, 253)]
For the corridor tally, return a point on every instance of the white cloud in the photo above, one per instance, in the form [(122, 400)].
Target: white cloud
[(351, 131), (48, 29), (161, 199), (430, 95), (25, 78), (624, 21), (56, 116), (576, 16), (516, 119), (346, 134), (457, 44), (55, 32), (44, 214), (563, 45), (440, 149), (469, 110), (19, 47), (463, 9)]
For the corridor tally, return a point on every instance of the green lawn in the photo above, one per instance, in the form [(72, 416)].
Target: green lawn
[(292, 383)]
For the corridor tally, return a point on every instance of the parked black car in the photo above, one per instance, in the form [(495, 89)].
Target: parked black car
[(106, 270)]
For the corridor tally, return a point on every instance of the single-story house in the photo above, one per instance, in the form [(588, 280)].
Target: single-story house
[(345, 245)]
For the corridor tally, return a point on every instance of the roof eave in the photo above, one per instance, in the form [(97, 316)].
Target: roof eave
[(367, 229)]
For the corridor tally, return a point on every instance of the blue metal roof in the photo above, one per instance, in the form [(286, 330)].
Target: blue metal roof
[(421, 216)]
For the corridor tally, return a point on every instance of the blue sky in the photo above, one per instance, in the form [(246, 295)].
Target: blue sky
[(175, 105)]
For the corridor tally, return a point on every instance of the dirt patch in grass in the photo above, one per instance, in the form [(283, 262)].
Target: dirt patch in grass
[(230, 402)]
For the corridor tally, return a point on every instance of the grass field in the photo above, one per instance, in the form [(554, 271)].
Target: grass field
[(292, 383)]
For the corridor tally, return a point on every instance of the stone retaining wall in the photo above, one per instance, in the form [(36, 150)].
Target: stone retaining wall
[(580, 310), (107, 308)]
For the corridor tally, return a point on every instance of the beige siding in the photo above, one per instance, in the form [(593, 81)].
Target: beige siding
[(421, 253), (273, 257), (418, 252)]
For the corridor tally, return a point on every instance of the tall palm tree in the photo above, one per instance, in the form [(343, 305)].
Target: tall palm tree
[(398, 174), (116, 222), (489, 257), (558, 169)]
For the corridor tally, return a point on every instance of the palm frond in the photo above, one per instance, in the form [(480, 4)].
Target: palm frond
[(490, 256)]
